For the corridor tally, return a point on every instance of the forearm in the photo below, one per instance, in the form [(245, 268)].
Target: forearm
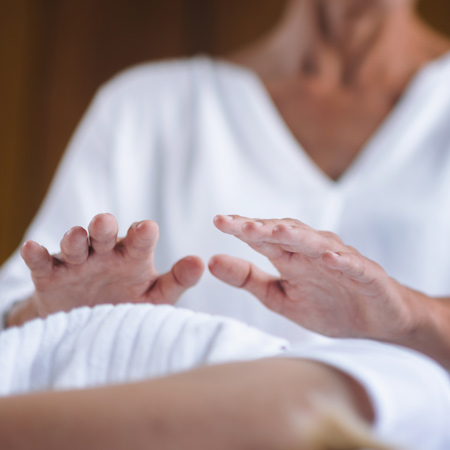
[(264, 404)]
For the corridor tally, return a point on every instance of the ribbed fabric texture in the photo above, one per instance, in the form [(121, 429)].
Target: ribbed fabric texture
[(113, 344)]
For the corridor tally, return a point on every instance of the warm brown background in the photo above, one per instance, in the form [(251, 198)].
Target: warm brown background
[(55, 53)]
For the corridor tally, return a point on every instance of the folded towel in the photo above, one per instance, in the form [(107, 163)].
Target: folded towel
[(112, 344)]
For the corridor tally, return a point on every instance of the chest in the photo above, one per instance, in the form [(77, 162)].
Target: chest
[(332, 126)]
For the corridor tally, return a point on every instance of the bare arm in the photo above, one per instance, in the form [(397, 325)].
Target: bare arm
[(430, 334), (330, 288), (267, 404)]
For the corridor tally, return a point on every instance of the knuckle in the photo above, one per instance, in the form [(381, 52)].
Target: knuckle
[(247, 278), (358, 265), (331, 236)]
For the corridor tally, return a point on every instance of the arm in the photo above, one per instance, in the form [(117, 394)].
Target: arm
[(96, 267), (91, 178), (430, 334), (219, 407), (331, 288), (77, 193)]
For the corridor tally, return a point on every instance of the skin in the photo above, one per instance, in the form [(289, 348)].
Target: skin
[(95, 267), (309, 405), (324, 285), (189, 411), (322, 53), (329, 287), (334, 71)]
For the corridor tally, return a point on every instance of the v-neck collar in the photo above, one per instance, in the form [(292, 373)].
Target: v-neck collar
[(375, 153)]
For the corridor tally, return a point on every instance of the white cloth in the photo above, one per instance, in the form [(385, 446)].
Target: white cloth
[(90, 347), (181, 141), (113, 344), (408, 413)]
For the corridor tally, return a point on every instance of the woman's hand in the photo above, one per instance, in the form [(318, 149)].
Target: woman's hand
[(96, 267), (324, 285)]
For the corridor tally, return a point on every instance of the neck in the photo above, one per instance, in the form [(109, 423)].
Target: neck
[(344, 41), (352, 39), (342, 23)]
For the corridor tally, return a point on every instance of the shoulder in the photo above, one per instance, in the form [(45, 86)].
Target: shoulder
[(169, 78), (165, 90), (438, 71), (152, 78), (150, 75)]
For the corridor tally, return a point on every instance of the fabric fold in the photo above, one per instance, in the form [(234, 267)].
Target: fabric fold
[(115, 344)]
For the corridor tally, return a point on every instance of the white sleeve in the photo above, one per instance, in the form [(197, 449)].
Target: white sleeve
[(112, 164), (410, 392), (78, 192)]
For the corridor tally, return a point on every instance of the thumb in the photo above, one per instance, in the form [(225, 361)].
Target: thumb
[(242, 274), (169, 287)]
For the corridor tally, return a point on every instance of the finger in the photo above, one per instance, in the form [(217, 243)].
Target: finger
[(37, 259), (334, 237), (259, 234), (262, 228), (75, 246), (237, 229), (141, 239), (228, 224), (282, 240), (271, 251), (183, 275), (254, 234), (103, 231), (307, 241), (353, 266), (242, 274)]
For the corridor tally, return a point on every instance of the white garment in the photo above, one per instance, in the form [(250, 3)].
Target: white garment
[(108, 344), (113, 344), (179, 142)]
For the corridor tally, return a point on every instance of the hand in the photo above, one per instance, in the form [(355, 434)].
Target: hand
[(96, 267), (324, 285)]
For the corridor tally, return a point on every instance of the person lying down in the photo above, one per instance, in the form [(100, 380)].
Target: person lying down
[(187, 372), (104, 345)]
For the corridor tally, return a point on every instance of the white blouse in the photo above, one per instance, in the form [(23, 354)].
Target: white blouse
[(181, 141)]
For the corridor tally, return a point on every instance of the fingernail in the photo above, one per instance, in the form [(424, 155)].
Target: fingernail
[(230, 218), (258, 223)]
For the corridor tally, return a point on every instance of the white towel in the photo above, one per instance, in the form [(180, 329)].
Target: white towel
[(112, 344)]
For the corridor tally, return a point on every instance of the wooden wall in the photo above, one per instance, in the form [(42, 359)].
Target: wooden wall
[(55, 53)]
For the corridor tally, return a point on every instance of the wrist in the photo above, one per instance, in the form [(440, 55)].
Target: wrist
[(417, 315), (426, 328), (21, 312), (409, 315)]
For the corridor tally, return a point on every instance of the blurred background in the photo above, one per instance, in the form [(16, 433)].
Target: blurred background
[(55, 53)]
